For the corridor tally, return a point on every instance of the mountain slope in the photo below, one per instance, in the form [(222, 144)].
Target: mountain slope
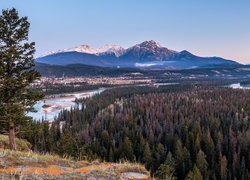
[(65, 58), (73, 70), (148, 54)]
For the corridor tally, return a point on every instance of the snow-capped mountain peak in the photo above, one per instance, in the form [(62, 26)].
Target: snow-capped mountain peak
[(83, 49), (150, 50), (109, 49), (116, 49), (151, 43)]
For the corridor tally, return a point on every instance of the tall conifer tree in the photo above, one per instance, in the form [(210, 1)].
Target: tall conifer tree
[(16, 72)]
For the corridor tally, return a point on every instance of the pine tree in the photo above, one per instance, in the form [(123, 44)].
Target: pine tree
[(194, 174), (243, 170), (147, 154), (209, 147), (16, 72), (186, 161), (160, 154), (223, 167), (167, 170), (201, 162), (139, 148), (179, 156), (68, 144), (111, 155), (127, 149)]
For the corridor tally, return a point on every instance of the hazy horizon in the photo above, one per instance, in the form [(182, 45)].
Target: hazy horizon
[(204, 28)]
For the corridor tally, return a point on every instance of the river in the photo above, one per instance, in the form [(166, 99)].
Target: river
[(238, 86), (51, 106)]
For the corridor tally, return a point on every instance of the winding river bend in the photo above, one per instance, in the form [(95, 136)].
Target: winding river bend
[(51, 106)]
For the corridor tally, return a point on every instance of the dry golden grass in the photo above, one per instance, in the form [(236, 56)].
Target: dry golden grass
[(126, 166), (30, 156), (22, 145), (29, 165)]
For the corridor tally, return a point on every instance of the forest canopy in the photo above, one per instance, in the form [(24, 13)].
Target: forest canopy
[(179, 131)]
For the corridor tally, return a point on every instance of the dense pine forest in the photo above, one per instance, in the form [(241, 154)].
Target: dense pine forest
[(179, 131)]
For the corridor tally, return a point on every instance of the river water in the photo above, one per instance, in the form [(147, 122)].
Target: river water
[(51, 106), (239, 86)]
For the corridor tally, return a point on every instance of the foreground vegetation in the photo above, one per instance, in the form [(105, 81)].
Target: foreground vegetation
[(21, 144), (28, 165), (179, 131)]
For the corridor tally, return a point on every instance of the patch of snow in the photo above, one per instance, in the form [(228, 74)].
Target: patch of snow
[(116, 49)]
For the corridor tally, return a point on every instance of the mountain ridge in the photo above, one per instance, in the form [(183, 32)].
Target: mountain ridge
[(148, 54)]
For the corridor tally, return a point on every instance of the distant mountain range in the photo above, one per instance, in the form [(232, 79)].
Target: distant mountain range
[(148, 54)]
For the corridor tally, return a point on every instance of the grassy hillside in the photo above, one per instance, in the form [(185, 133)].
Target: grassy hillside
[(22, 145), (28, 165)]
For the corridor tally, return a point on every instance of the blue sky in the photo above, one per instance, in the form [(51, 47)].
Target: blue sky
[(203, 27)]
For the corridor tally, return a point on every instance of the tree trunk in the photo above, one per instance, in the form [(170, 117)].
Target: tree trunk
[(12, 135)]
